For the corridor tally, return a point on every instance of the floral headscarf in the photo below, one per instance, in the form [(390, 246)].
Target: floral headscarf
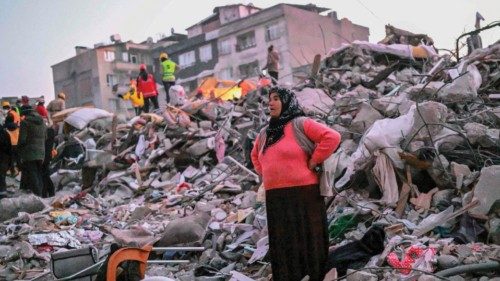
[(290, 109)]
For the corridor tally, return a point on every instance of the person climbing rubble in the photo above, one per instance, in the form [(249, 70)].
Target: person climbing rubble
[(135, 97), (168, 69), (146, 85), (57, 105)]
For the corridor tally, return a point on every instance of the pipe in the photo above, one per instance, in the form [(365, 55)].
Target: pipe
[(491, 265)]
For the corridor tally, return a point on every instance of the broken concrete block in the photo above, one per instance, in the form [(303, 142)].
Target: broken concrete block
[(418, 93), (447, 261), (494, 230), (461, 90), (475, 131), (442, 199), (184, 230), (389, 105), (26, 250), (314, 100), (429, 113), (486, 190), (459, 169), (201, 147), (26, 203), (344, 132), (482, 135), (366, 116)]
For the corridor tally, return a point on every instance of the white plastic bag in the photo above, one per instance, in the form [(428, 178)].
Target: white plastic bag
[(82, 117)]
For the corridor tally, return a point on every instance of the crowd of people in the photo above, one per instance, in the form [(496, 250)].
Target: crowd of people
[(27, 138)]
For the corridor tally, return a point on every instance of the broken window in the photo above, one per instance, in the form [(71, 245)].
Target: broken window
[(125, 56), (224, 47), (249, 69), (187, 59), (226, 73), (111, 80), (206, 53), (273, 32), (133, 59), (109, 56), (245, 41)]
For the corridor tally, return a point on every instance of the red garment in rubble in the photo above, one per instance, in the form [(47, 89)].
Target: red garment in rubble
[(148, 87), (42, 111)]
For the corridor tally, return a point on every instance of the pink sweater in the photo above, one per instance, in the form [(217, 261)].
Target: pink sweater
[(284, 164)]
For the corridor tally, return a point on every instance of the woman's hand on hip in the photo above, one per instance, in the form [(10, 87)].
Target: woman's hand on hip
[(311, 164)]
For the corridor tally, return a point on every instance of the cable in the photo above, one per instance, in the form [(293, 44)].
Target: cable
[(361, 3)]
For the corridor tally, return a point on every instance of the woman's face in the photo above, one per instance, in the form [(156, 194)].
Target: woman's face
[(274, 105)]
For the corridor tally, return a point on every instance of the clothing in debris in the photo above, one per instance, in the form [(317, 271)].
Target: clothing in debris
[(356, 254), (296, 213)]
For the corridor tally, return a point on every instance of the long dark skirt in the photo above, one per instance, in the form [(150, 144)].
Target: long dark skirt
[(298, 238)]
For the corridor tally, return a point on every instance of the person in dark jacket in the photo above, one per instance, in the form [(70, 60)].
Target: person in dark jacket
[(48, 185), (31, 150), (5, 159)]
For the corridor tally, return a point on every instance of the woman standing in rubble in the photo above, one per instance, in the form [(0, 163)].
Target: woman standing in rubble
[(296, 213)]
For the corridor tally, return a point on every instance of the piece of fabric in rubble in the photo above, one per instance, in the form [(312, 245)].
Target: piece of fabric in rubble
[(356, 254), (415, 256), (220, 148), (386, 178)]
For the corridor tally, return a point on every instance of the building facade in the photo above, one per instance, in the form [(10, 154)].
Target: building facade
[(88, 79), (230, 44)]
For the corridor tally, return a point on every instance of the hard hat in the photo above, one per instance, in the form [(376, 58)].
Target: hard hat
[(163, 56), (142, 67), (25, 99), (5, 103), (61, 95)]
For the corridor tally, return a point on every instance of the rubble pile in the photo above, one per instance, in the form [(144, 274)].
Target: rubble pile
[(417, 176), (420, 157)]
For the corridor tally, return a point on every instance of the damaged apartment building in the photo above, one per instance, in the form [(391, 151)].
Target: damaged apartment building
[(230, 44)]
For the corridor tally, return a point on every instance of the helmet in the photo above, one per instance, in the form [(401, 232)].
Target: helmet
[(142, 67), (61, 95), (5, 103), (163, 56)]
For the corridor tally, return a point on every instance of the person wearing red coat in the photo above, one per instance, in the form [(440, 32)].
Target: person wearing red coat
[(40, 108), (146, 85)]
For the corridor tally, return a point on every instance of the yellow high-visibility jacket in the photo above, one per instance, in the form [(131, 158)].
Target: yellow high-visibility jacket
[(136, 98)]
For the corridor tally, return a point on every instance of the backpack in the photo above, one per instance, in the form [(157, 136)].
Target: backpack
[(327, 168)]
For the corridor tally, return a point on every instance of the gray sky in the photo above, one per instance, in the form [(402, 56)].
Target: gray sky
[(35, 34)]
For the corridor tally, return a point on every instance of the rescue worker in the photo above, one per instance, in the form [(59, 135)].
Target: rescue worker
[(48, 186), (135, 97), (25, 104), (57, 105), (146, 85), (12, 123), (31, 149), (168, 68), (40, 108)]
